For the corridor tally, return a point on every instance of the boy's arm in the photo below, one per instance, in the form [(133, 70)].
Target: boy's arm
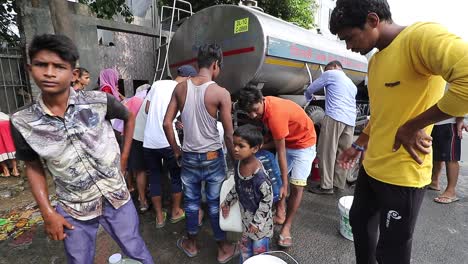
[(278, 123), (128, 138), (115, 109), (435, 51), (460, 126), (439, 52), (316, 85), (53, 221), (231, 197), (150, 97), (348, 158), (280, 146), (225, 114), (264, 207), (147, 106), (171, 114)]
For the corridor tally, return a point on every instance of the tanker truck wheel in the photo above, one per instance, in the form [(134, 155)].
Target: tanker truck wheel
[(315, 113)]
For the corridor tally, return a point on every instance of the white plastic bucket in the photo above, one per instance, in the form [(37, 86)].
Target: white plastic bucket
[(268, 258), (344, 204), (264, 259)]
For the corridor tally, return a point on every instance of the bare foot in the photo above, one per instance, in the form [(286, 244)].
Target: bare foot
[(188, 246), (161, 218), (6, 172), (279, 220), (226, 251), (434, 187), (176, 213)]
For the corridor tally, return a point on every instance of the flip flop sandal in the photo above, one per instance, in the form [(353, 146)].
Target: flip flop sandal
[(179, 245), (234, 254), (178, 219), (143, 207), (158, 225), (445, 199), (433, 189), (282, 239)]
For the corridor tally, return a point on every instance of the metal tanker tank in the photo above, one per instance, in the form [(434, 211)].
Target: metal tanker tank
[(260, 50)]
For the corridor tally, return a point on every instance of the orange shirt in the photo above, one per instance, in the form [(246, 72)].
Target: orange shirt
[(285, 119)]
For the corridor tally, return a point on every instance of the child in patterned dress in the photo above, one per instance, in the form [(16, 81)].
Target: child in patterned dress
[(253, 191)]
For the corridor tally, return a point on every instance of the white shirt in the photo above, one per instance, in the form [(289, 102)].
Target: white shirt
[(159, 98), (4, 117), (140, 122), (447, 121)]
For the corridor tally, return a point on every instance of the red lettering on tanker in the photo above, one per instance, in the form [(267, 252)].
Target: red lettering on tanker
[(320, 57), (300, 52)]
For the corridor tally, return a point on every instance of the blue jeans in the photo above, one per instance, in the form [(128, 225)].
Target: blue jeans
[(250, 248), (153, 159), (196, 168)]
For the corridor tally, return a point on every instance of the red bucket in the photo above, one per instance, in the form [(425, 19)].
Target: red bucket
[(315, 171)]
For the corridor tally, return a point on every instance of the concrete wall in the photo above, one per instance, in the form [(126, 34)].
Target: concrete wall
[(133, 54), (323, 14)]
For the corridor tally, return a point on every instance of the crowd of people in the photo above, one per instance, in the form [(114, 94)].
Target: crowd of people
[(96, 143)]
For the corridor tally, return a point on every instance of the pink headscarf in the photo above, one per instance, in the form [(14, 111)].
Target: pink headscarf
[(110, 77)]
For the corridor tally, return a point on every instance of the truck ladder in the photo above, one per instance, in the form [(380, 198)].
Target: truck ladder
[(163, 46)]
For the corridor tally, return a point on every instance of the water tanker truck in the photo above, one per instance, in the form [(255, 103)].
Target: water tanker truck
[(263, 51)]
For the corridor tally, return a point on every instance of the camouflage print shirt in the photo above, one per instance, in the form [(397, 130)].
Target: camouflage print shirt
[(80, 150)]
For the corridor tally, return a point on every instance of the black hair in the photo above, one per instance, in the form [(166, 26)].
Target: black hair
[(333, 64), (209, 53), (353, 13), (81, 71), (248, 97), (251, 134), (59, 44)]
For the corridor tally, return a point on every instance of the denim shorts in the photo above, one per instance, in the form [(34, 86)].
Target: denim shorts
[(300, 164)]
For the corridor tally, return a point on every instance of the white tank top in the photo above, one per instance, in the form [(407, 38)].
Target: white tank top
[(200, 131)]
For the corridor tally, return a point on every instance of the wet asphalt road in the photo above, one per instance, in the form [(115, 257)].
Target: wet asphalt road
[(441, 235)]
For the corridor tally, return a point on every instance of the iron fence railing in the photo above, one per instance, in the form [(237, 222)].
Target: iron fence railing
[(15, 91)]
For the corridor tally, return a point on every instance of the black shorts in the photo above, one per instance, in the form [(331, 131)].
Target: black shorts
[(446, 144), (136, 160)]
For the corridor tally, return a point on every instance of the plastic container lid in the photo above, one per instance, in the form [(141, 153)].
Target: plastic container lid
[(264, 259), (116, 258)]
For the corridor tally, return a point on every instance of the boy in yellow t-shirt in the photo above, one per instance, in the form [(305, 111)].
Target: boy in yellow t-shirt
[(406, 91)]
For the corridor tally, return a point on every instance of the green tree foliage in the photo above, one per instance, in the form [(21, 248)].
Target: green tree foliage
[(107, 9), (8, 22), (299, 12)]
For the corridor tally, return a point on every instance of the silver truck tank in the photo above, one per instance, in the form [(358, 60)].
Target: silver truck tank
[(260, 50)]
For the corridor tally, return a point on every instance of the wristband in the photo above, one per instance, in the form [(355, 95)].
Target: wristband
[(357, 147)]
